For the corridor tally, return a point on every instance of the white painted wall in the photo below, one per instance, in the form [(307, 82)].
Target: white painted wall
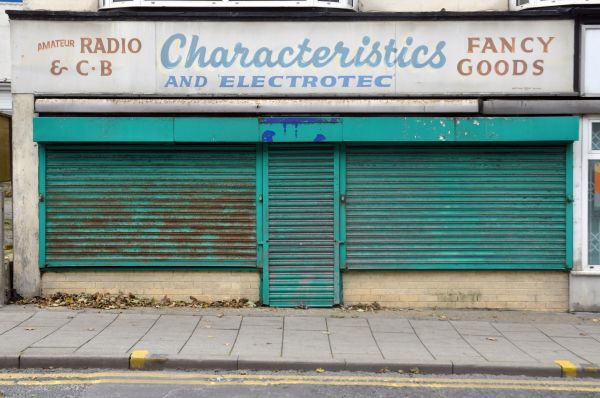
[(5, 40), (25, 198), (433, 5), (62, 5)]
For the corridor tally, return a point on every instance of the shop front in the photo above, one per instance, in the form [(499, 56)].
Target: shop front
[(337, 162)]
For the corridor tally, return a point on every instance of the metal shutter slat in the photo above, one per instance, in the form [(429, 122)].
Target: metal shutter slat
[(151, 206), (462, 207), (301, 226)]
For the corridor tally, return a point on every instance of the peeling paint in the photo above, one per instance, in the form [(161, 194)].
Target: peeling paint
[(300, 120)]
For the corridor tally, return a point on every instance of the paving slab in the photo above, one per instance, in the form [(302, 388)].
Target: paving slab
[(305, 323), (220, 322), (78, 331), (402, 346), (49, 351), (121, 335), (585, 347), (335, 323), (210, 342), (168, 335), (21, 337), (306, 344), (498, 349), (527, 336), (423, 327), (547, 351), (353, 341), (49, 319), (444, 342), (475, 328), (591, 329), (559, 330), (391, 325), (272, 321), (6, 326), (515, 327), (13, 316), (259, 340)]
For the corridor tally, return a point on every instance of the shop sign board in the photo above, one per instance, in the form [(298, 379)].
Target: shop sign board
[(591, 61), (283, 59)]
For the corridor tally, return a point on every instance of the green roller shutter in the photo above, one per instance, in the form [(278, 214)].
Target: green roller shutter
[(152, 206), (456, 207), (301, 226)]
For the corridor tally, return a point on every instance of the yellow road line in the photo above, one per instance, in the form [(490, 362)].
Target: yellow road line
[(569, 369), (265, 383), (322, 377)]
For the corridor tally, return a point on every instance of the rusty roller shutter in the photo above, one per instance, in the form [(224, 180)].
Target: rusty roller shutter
[(301, 226), (150, 206), (456, 208)]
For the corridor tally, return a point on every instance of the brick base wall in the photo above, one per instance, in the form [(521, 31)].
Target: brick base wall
[(510, 290), (177, 285)]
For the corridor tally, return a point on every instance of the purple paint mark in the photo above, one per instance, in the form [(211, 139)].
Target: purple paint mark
[(320, 138), (268, 135)]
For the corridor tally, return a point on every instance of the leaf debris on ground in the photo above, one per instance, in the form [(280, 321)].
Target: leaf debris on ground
[(124, 301)]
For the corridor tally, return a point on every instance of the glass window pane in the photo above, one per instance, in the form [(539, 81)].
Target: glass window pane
[(596, 136), (594, 213)]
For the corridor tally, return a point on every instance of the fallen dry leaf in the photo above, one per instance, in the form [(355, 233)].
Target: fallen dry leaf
[(124, 301), (492, 339)]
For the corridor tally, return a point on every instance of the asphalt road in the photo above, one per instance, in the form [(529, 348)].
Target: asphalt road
[(114, 384)]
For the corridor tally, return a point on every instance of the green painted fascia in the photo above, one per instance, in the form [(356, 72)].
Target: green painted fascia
[(305, 129), (218, 129), (516, 129), (288, 130), (398, 129), (102, 129)]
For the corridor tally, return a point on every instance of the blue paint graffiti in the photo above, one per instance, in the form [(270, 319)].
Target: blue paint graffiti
[(268, 135), (320, 138)]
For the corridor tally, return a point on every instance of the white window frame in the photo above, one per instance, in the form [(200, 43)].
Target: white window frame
[(342, 4), (587, 155), (584, 60)]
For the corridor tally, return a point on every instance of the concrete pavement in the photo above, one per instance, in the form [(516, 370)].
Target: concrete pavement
[(292, 340)]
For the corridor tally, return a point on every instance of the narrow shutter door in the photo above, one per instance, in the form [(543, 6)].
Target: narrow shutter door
[(120, 206), (456, 208), (301, 226)]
